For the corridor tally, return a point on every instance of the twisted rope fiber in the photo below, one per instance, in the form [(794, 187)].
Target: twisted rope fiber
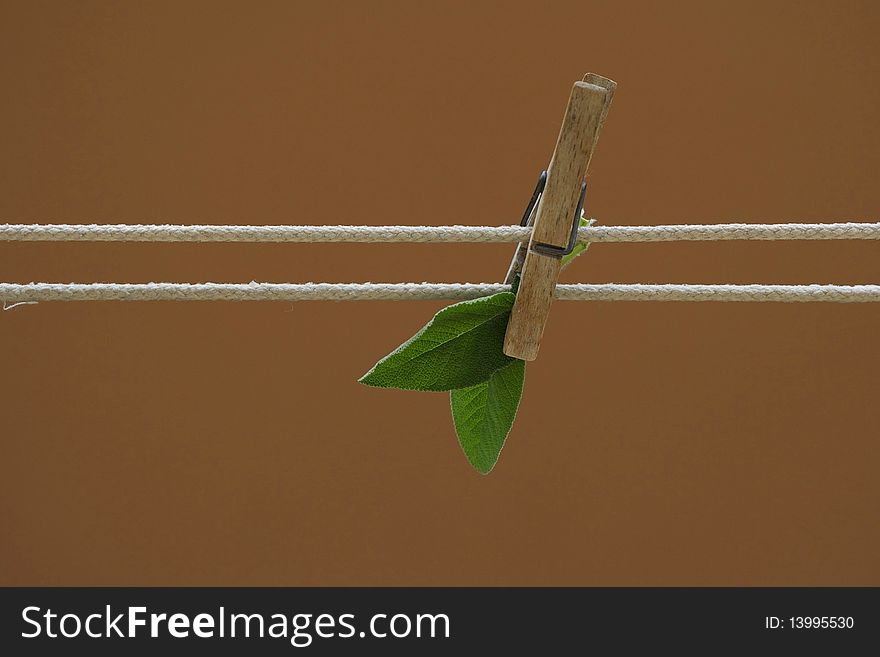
[(436, 234), (35, 292)]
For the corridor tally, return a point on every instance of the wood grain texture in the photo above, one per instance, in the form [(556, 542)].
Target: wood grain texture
[(586, 112)]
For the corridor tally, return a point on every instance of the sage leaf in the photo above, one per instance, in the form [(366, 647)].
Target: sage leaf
[(460, 347), (483, 414)]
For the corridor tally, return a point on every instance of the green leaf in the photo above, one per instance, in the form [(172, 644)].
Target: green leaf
[(483, 414), (460, 347), (580, 247)]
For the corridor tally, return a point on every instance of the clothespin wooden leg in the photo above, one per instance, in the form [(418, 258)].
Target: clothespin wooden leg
[(584, 116)]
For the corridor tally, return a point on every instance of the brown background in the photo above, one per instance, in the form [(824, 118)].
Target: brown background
[(230, 444)]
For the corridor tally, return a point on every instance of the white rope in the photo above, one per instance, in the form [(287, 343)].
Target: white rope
[(673, 292), (35, 292), (484, 234)]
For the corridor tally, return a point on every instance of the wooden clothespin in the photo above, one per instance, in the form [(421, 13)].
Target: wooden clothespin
[(557, 209)]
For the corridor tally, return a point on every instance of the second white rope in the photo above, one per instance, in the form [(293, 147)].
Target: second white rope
[(11, 293)]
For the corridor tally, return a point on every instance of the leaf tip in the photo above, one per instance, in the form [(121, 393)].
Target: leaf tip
[(369, 379), (484, 470)]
